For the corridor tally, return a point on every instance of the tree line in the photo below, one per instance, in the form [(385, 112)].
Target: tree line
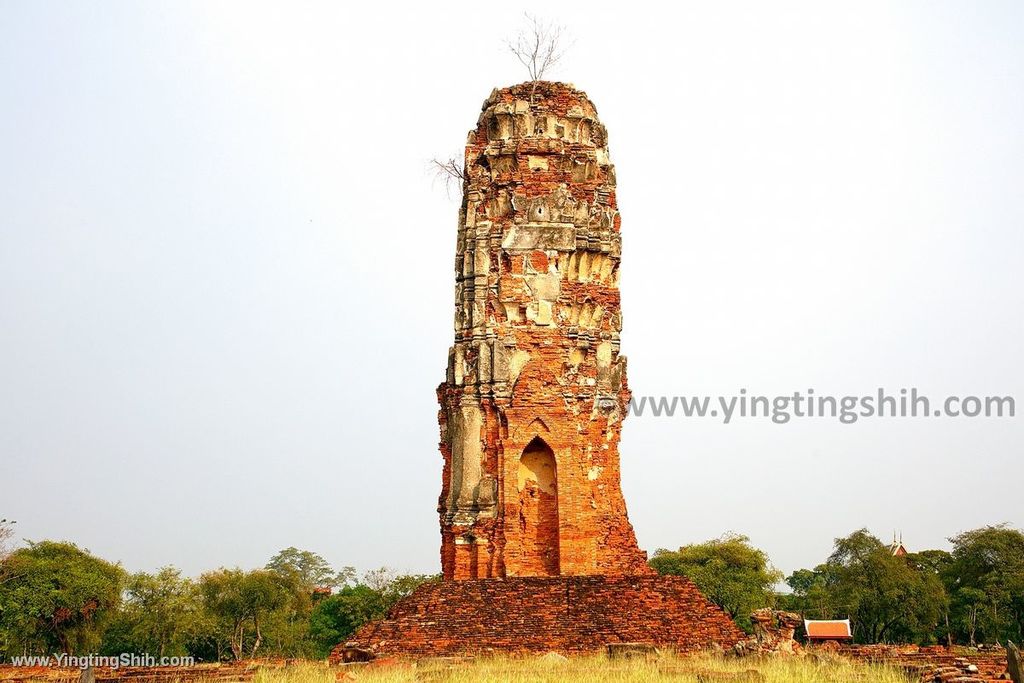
[(57, 597), (969, 595)]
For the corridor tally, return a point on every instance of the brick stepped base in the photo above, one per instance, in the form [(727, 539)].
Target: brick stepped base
[(538, 614)]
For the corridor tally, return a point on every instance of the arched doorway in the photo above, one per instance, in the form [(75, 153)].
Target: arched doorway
[(538, 508)]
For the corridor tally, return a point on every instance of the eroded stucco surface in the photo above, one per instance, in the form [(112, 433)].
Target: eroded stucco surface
[(535, 393)]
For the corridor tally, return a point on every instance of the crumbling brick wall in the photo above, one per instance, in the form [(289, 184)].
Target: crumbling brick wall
[(539, 614), (774, 632), (535, 363), (934, 662)]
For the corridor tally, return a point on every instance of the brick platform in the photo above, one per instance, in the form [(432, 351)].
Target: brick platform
[(537, 614), (233, 672)]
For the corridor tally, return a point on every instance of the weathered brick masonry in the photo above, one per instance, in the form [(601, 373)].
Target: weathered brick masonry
[(535, 394), (537, 552), (934, 663), (538, 614)]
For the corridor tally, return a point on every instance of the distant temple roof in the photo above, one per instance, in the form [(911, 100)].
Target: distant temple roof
[(897, 548), (835, 629)]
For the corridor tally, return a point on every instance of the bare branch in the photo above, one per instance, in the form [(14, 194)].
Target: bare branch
[(6, 532), (538, 47), (451, 172)]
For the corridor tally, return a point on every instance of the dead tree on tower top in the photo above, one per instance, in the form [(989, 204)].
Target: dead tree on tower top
[(538, 47)]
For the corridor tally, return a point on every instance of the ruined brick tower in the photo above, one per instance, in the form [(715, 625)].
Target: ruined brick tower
[(535, 544), (536, 392)]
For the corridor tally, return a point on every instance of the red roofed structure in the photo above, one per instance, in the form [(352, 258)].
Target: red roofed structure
[(897, 548), (821, 630)]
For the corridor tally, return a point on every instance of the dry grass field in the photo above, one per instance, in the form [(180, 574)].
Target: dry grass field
[(596, 669)]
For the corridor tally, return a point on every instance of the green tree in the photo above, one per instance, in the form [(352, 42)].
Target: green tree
[(732, 573), (337, 617), (308, 574), (54, 596), (6, 533), (968, 604), (989, 561), (936, 563), (391, 586), (242, 603), (811, 596), (287, 628), (160, 614), (886, 597), (311, 570)]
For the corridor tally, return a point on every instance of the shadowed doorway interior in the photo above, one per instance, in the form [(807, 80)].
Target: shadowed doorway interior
[(538, 499)]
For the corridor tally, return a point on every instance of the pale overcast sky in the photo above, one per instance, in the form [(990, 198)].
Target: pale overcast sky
[(226, 276)]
